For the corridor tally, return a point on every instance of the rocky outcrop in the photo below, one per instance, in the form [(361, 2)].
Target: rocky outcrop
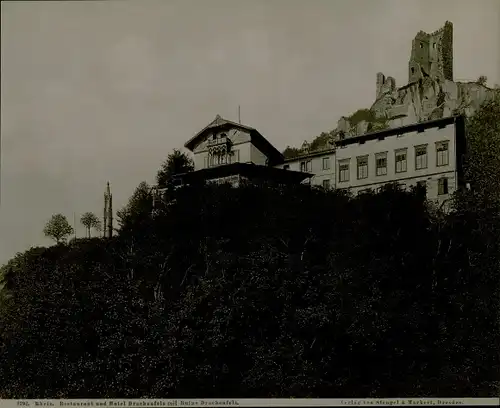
[(426, 99), (430, 98)]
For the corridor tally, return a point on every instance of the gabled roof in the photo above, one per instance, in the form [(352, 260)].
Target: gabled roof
[(273, 153)]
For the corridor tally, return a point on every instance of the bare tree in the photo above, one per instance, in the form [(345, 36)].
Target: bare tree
[(89, 221)]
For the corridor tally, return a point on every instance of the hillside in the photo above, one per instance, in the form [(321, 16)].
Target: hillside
[(296, 298)]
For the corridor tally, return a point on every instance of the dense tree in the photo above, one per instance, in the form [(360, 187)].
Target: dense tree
[(291, 152), (177, 162), (482, 167), (58, 228), (89, 220), (138, 207)]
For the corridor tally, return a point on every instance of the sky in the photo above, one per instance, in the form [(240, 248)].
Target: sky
[(98, 91)]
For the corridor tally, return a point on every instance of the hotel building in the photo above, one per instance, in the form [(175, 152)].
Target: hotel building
[(428, 153)]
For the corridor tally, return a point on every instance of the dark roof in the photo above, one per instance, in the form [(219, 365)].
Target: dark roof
[(400, 130), (249, 170), (260, 141)]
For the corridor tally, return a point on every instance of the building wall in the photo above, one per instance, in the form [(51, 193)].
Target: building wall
[(241, 142), (391, 144), (256, 156), (316, 167)]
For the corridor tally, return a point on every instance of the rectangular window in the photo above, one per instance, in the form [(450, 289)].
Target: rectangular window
[(326, 163), (442, 186), (326, 184), (420, 157), (309, 166), (286, 167), (381, 163), (442, 154), (303, 166), (343, 171), (362, 167), (205, 162), (401, 161)]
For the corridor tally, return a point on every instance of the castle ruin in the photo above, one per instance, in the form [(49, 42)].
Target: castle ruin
[(432, 55), (384, 84)]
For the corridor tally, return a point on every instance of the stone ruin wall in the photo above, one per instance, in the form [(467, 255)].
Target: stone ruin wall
[(384, 85), (432, 54)]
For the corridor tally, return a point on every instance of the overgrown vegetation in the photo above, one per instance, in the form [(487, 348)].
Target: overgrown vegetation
[(307, 292), (482, 80)]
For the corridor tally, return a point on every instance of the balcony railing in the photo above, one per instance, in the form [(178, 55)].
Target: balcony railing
[(219, 141)]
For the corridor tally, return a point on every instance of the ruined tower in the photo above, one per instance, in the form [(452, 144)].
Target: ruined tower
[(384, 84), (432, 54), (108, 213)]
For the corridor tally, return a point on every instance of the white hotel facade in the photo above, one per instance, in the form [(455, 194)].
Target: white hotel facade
[(429, 153)]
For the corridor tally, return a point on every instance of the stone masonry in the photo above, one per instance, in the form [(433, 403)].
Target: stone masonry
[(432, 54)]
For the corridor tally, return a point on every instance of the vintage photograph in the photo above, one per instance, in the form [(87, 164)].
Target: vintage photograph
[(250, 199)]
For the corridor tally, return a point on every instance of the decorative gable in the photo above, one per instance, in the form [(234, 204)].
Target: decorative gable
[(220, 134)]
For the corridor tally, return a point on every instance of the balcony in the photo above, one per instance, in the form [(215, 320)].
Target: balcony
[(220, 141)]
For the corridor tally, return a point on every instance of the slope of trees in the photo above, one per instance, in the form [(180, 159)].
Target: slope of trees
[(266, 292), (309, 293)]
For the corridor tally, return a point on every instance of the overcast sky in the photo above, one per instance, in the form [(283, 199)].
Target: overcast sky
[(104, 90)]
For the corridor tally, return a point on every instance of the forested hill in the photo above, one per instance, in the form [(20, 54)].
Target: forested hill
[(267, 292)]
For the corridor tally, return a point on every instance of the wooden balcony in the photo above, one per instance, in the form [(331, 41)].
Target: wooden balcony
[(220, 141)]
